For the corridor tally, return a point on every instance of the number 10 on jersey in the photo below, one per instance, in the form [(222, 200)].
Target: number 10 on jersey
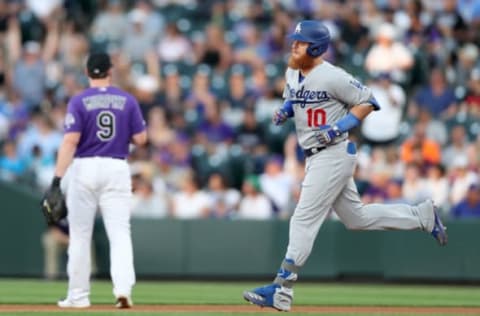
[(316, 117)]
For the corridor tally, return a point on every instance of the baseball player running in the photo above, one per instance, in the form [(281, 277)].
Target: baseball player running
[(326, 102), (100, 124)]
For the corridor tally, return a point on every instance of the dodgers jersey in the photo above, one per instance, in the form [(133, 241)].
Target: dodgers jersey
[(107, 118), (323, 97)]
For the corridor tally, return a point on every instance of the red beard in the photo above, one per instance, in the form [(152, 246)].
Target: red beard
[(303, 63)]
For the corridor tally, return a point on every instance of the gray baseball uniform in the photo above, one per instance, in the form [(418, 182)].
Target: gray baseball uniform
[(323, 97), (320, 104)]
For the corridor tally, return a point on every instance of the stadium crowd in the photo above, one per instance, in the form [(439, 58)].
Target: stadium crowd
[(208, 75)]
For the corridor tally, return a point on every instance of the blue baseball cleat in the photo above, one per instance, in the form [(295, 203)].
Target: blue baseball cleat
[(272, 295), (439, 231)]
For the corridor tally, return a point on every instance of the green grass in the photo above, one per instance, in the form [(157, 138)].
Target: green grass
[(78, 313), (229, 293)]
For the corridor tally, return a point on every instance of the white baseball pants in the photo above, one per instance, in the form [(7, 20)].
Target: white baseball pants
[(104, 184)]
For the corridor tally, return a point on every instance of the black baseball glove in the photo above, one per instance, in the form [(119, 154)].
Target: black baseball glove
[(54, 207)]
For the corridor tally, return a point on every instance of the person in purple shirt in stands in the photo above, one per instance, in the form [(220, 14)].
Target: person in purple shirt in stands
[(100, 124), (469, 207)]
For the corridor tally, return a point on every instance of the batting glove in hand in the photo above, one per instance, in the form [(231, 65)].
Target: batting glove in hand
[(327, 134), (279, 117), (53, 205)]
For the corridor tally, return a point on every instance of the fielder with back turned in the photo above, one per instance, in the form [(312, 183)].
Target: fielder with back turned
[(100, 124), (326, 102)]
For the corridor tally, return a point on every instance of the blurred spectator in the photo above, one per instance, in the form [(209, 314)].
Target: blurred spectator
[(200, 97), (419, 149), (213, 130), (190, 202), (224, 201), (294, 166), (467, 60), (472, 97), (473, 154), (437, 96), (268, 102), (11, 165), (29, 75), (138, 41), (173, 46), (254, 204), (55, 243), (394, 194), (383, 127), (435, 129), (41, 134), (16, 113), (414, 188), (376, 191), (238, 98), (389, 55), (458, 145), (172, 96), (110, 23), (252, 50), (469, 207), (146, 89), (73, 46), (353, 32), (217, 53), (469, 9), (462, 178), (276, 184), (159, 132), (438, 186), (451, 22), (43, 167), (250, 133), (4, 127), (147, 203), (169, 172), (154, 22), (371, 16)]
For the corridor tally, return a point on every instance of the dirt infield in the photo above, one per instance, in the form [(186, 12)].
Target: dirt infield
[(252, 309)]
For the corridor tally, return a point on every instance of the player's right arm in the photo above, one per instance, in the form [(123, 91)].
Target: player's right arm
[(140, 139), (282, 114), (137, 125)]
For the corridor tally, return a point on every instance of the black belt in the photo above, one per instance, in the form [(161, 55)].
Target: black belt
[(312, 151)]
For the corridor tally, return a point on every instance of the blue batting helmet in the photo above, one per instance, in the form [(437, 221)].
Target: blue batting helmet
[(312, 32)]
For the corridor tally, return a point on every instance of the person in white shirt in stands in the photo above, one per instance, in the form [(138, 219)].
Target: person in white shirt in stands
[(383, 127), (254, 204), (146, 202), (190, 202), (388, 54)]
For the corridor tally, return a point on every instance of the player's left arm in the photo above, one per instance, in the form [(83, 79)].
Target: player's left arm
[(137, 125)]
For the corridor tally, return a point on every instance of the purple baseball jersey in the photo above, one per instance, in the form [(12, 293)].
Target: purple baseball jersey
[(107, 118)]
